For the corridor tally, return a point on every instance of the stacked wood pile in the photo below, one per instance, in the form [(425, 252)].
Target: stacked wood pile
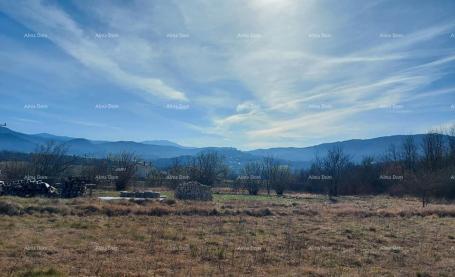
[(27, 188), (73, 187)]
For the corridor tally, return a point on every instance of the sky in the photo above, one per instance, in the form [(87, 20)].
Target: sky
[(247, 74)]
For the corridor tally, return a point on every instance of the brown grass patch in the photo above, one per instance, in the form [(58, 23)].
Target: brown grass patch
[(357, 236)]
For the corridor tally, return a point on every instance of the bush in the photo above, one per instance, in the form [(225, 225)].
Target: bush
[(169, 201), (253, 188), (259, 213), (8, 208), (41, 273)]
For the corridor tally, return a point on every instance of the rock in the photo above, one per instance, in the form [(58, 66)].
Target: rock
[(150, 194), (126, 194)]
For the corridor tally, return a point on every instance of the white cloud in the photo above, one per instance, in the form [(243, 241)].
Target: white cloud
[(281, 75), (78, 43), (246, 107)]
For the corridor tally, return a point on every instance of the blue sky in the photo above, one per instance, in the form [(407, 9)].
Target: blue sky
[(247, 74)]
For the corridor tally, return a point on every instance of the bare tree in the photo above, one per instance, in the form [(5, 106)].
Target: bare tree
[(94, 168), (269, 164), (312, 182), (280, 178), (451, 139), (317, 164), (156, 177), (208, 167), (176, 173), (251, 175), (392, 154), (51, 160), (433, 150), (176, 167), (368, 175), (425, 183), (14, 170), (335, 163), (125, 164), (409, 153)]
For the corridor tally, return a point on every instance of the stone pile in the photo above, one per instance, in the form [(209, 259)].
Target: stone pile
[(193, 191)]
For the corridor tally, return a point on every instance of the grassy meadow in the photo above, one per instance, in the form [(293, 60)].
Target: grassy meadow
[(235, 235)]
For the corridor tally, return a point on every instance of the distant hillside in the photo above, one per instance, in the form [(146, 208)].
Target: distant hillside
[(149, 150), (162, 151), (163, 143), (356, 148)]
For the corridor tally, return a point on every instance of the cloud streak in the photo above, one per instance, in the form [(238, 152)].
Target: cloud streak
[(268, 73), (75, 41)]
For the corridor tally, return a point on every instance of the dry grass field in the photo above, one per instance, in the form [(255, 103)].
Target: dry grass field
[(235, 235)]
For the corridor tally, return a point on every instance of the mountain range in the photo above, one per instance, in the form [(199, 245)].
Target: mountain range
[(163, 151)]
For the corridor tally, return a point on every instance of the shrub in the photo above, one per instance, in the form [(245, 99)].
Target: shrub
[(8, 208), (169, 201), (41, 273)]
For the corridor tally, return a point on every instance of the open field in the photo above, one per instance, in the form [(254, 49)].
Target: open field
[(235, 235)]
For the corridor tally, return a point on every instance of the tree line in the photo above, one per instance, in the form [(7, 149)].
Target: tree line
[(423, 168)]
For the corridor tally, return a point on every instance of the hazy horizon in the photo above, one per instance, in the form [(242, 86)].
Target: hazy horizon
[(261, 74), (216, 146)]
